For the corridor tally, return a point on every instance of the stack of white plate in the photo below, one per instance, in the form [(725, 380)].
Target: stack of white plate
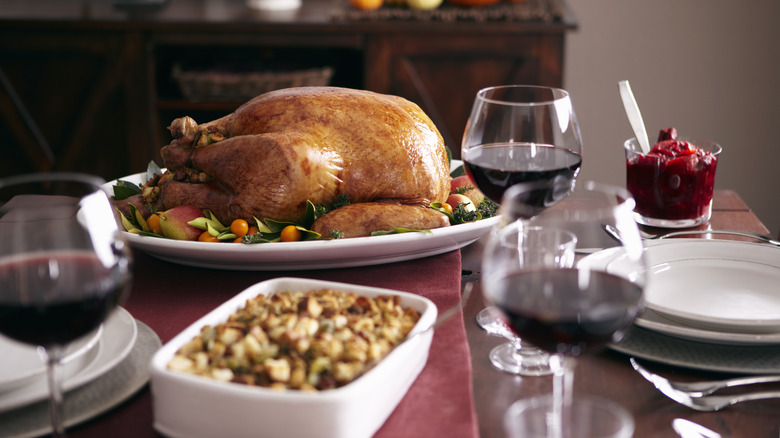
[(87, 367), (711, 292)]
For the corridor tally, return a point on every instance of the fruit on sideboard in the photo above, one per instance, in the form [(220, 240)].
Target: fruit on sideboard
[(473, 3), (366, 5), (424, 5)]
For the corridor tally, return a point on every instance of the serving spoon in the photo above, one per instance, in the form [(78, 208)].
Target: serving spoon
[(634, 115)]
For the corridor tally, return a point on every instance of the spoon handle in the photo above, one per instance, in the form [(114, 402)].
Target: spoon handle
[(762, 237), (634, 115)]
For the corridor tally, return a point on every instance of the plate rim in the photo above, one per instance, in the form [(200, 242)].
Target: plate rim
[(85, 345), (672, 328), (91, 400), (317, 254), (106, 359), (691, 329)]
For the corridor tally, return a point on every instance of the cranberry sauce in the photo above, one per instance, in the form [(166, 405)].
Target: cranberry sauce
[(674, 181)]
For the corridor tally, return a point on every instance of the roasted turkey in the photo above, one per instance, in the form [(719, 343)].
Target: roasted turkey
[(288, 146)]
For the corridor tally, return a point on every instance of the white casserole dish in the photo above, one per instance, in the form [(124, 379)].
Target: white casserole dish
[(187, 405)]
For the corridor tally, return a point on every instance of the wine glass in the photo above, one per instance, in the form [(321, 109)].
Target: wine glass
[(528, 245), (518, 134), (570, 311), (63, 266)]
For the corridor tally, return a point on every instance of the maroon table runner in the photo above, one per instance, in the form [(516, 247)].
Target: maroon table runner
[(169, 297)]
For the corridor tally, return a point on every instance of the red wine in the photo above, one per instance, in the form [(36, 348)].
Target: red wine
[(54, 298), (496, 167), (569, 317)]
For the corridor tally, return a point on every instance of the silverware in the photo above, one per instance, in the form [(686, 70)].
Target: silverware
[(698, 389), (634, 115), (689, 429), (616, 235), (699, 403)]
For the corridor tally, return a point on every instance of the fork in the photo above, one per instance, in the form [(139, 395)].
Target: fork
[(706, 402), (698, 389)]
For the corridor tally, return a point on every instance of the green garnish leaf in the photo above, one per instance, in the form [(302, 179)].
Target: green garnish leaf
[(458, 171), (487, 208), (399, 231), (463, 215), (311, 214), (150, 234), (262, 228), (276, 226), (125, 189)]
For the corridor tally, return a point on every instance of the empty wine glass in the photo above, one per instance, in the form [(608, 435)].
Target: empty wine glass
[(570, 311), (63, 266), (522, 134)]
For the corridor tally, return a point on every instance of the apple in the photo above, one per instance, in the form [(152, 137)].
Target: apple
[(473, 193), (455, 199), (424, 5), (174, 224)]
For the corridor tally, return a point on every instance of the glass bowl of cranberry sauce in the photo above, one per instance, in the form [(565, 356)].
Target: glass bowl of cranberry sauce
[(673, 183)]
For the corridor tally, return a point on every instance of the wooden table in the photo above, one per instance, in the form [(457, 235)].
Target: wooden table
[(609, 374)]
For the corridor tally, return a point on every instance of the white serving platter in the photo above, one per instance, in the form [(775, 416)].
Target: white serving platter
[(716, 285), (319, 254), (187, 405)]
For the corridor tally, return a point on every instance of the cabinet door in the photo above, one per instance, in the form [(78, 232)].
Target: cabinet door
[(442, 73), (73, 101)]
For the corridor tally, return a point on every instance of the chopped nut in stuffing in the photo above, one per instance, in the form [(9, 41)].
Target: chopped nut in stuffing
[(315, 340)]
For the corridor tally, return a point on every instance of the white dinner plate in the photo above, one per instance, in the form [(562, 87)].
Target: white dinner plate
[(116, 341), (91, 399), (23, 363), (313, 254), (717, 285), (656, 322)]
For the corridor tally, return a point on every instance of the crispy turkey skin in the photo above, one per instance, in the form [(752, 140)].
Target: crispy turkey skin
[(288, 146)]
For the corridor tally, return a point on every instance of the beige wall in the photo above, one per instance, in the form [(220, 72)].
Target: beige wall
[(711, 68)]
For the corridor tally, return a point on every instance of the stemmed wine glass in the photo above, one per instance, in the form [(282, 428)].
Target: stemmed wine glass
[(569, 311), (529, 245), (63, 266), (518, 134)]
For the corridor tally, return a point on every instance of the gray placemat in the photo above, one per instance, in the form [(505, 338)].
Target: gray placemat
[(647, 344), (92, 399)]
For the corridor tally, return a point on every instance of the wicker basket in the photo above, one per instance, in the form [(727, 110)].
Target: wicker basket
[(231, 86)]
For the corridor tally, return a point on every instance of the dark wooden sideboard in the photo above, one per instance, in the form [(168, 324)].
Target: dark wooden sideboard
[(89, 86)]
